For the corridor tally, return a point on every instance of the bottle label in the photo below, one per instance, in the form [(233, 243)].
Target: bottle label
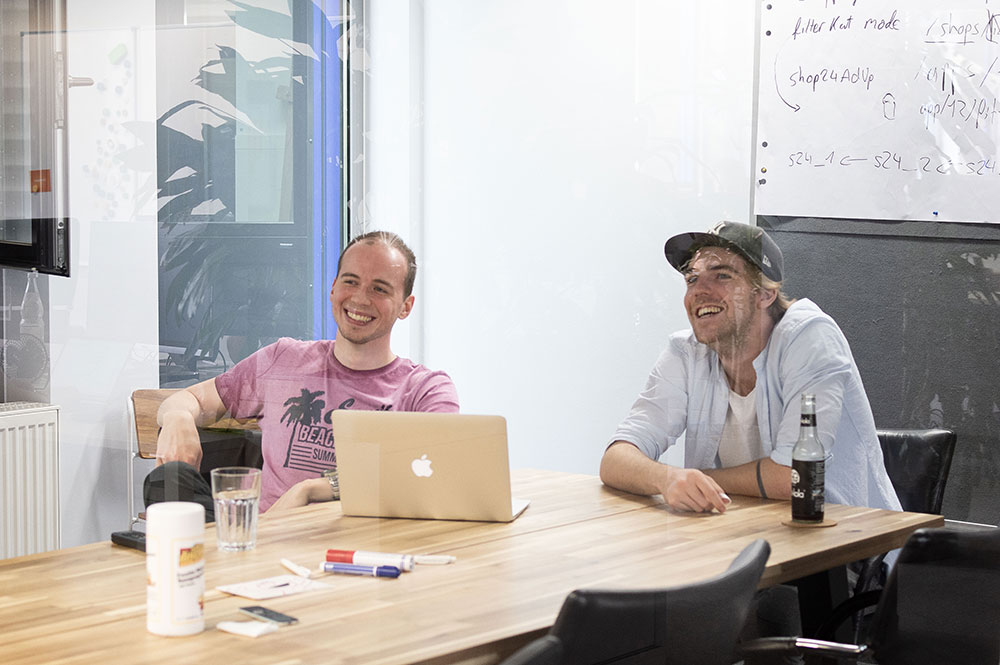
[(808, 490), (175, 579), (189, 581), (808, 420)]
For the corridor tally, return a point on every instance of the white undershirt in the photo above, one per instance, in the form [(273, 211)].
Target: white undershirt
[(740, 441)]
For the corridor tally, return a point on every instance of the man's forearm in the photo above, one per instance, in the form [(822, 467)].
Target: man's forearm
[(625, 467), (302, 493), (179, 417), (200, 401), (742, 479), (181, 402)]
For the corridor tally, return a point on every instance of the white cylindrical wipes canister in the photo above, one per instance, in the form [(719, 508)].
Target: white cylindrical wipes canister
[(175, 568)]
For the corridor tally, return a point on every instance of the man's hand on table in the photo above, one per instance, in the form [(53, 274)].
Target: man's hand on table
[(625, 467), (302, 493), (692, 490)]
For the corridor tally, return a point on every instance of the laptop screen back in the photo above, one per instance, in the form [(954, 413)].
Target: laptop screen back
[(423, 465)]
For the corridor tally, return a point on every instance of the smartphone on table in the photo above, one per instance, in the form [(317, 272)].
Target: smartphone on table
[(134, 539), (269, 615)]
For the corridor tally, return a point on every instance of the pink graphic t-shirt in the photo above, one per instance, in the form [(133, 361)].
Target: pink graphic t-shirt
[(293, 387)]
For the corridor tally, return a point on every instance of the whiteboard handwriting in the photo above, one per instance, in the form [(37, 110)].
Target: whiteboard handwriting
[(879, 109)]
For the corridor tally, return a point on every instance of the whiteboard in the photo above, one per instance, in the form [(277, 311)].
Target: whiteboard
[(879, 110)]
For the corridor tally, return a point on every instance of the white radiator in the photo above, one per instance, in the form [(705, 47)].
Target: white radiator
[(29, 478)]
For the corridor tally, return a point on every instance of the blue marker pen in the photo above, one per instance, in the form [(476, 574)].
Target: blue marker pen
[(356, 569)]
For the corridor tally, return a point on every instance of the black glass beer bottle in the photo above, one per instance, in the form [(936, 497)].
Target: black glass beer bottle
[(808, 467)]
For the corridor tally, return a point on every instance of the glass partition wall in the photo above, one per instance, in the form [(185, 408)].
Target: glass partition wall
[(536, 155), (33, 187), (198, 150), (249, 175)]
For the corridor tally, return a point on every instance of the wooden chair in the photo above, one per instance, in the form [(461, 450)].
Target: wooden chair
[(226, 437)]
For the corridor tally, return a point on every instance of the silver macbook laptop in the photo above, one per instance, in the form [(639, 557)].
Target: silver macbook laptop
[(444, 466)]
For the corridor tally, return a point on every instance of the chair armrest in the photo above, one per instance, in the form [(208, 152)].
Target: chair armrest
[(791, 645), (546, 650)]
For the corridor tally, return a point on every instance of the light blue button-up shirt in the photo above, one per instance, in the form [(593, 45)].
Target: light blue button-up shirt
[(687, 393)]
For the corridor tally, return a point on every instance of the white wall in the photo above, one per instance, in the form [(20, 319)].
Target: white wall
[(103, 328), (552, 148), (391, 64)]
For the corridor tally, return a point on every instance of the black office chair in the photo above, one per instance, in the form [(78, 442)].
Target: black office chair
[(941, 604), (695, 624), (918, 462)]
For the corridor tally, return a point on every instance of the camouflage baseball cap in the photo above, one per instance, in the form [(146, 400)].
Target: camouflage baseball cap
[(750, 242)]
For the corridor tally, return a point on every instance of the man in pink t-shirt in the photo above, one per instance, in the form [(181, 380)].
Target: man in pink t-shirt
[(293, 387)]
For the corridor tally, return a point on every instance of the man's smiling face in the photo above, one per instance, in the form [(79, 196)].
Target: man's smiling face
[(367, 296), (721, 303)]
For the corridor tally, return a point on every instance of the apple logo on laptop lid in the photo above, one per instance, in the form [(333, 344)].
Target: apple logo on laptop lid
[(422, 467)]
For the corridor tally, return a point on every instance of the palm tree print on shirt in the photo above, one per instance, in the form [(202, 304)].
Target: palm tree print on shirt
[(304, 413)]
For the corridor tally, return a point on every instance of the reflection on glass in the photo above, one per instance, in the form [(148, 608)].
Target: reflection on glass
[(249, 101), (32, 134), (15, 231)]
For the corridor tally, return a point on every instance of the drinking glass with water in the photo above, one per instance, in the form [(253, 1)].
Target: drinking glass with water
[(236, 491)]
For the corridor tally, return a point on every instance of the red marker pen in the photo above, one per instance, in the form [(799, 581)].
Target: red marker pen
[(362, 558)]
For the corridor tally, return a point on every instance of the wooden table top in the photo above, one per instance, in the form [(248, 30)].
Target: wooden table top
[(88, 604)]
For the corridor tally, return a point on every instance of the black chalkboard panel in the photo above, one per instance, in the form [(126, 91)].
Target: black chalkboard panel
[(919, 303)]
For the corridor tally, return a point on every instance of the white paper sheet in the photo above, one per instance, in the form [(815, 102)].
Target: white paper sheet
[(273, 587)]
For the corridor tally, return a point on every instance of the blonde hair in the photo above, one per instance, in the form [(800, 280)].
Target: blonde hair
[(781, 302)]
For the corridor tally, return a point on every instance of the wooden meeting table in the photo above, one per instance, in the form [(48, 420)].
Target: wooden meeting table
[(87, 604)]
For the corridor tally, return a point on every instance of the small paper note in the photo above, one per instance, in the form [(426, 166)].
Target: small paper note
[(247, 628), (272, 587)]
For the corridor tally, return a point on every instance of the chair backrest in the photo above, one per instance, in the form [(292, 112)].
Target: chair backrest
[(695, 624), (918, 461), (941, 603), (145, 404)]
